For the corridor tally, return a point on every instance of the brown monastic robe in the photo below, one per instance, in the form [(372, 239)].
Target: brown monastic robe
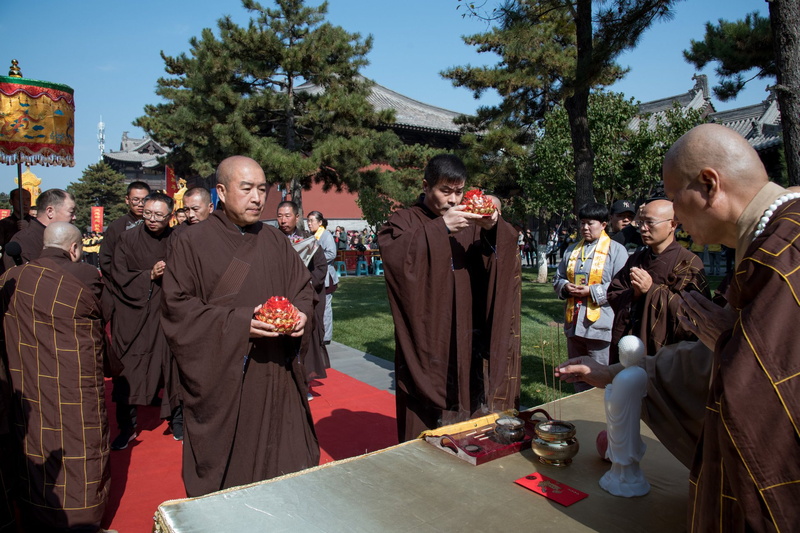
[(746, 474), (313, 353), (245, 410), (138, 339), (455, 299), (31, 240), (55, 343), (653, 317), (9, 227), (110, 238)]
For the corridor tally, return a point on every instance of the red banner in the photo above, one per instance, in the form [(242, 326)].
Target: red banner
[(4, 213), (172, 181), (97, 218)]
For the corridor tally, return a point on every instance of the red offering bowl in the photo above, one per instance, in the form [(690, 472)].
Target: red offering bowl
[(279, 312), (477, 202)]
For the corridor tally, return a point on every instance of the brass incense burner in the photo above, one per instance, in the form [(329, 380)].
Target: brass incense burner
[(555, 443)]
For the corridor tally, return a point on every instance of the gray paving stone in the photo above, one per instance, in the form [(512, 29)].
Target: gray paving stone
[(362, 366)]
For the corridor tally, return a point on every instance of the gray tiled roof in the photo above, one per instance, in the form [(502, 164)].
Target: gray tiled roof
[(408, 112), (656, 110), (146, 160), (760, 123), (143, 151)]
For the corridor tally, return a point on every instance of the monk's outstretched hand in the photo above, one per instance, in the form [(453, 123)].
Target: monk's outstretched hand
[(457, 219), (584, 369), (705, 319)]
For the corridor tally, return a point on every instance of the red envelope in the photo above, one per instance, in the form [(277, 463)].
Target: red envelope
[(551, 489)]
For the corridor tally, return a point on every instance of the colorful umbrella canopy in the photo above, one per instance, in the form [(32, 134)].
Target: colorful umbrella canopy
[(37, 121)]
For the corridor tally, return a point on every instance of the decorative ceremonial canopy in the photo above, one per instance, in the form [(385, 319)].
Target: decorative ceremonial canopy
[(37, 121)]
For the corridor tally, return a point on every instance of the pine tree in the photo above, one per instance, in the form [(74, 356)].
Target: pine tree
[(99, 185), (772, 47), (738, 47), (285, 90), (554, 52)]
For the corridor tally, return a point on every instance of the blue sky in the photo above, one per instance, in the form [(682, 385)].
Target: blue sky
[(108, 52)]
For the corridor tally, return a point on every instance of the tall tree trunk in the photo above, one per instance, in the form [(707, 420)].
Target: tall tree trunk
[(295, 186), (784, 16), (577, 106)]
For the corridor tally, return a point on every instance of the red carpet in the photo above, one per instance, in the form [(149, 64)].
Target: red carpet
[(351, 418)]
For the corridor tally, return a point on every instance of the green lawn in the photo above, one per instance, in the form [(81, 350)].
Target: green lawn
[(362, 320)]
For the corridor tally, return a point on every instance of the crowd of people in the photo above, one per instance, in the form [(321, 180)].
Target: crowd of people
[(182, 304)]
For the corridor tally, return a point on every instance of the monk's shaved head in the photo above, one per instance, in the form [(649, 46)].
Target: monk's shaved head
[(657, 210), (242, 189), (201, 193), (711, 174), (61, 235), (233, 164), (724, 150)]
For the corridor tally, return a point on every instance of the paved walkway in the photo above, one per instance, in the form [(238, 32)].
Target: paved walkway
[(362, 366)]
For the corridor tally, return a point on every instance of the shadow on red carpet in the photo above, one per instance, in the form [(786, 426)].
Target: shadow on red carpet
[(351, 418)]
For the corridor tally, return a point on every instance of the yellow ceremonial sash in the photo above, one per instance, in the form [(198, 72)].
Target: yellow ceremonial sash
[(595, 275), (319, 232)]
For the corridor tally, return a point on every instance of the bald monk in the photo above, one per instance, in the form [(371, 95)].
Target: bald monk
[(55, 343), (246, 414), (646, 294), (197, 202), (722, 194), (53, 205)]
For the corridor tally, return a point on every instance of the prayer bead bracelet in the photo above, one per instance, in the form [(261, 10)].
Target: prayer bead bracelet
[(771, 210)]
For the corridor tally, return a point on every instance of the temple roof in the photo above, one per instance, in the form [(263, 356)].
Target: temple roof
[(760, 123), (409, 113), (144, 151), (654, 111)]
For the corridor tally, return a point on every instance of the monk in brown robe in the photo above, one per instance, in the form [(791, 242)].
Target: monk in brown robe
[(53, 205), (645, 294), (314, 354), (197, 202), (245, 409), (137, 268), (746, 469), (197, 205), (453, 279), (134, 199), (7, 520), (54, 338), (14, 223)]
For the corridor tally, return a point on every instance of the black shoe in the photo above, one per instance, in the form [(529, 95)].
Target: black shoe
[(122, 440), (177, 430), (176, 423)]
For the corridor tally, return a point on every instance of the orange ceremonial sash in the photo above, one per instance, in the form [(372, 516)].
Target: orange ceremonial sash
[(595, 275)]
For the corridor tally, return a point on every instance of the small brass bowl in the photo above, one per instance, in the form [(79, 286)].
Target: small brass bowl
[(555, 443), (509, 429)]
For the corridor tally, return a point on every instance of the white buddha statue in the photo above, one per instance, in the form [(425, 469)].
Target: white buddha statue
[(623, 408)]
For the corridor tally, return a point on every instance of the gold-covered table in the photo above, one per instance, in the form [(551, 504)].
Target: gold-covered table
[(415, 487)]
